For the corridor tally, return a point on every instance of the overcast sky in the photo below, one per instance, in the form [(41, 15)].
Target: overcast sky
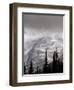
[(36, 26)]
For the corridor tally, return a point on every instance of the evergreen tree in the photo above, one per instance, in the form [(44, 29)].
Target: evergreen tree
[(55, 60), (24, 69), (37, 70), (31, 68), (45, 64)]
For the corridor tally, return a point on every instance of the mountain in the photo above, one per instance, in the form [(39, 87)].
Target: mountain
[(36, 52)]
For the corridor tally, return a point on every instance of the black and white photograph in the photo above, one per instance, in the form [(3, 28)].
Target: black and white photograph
[(42, 43)]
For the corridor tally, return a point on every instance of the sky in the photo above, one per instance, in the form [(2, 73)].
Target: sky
[(36, 26)]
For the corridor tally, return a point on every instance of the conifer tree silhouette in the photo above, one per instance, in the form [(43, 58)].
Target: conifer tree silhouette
[(24, 69), (37, 69), (45, 65), (31, 68), (55, 59)]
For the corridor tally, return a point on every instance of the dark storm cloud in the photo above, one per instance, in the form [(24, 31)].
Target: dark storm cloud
[(50, 23)]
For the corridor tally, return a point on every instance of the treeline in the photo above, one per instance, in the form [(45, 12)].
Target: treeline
[(54, 67)]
